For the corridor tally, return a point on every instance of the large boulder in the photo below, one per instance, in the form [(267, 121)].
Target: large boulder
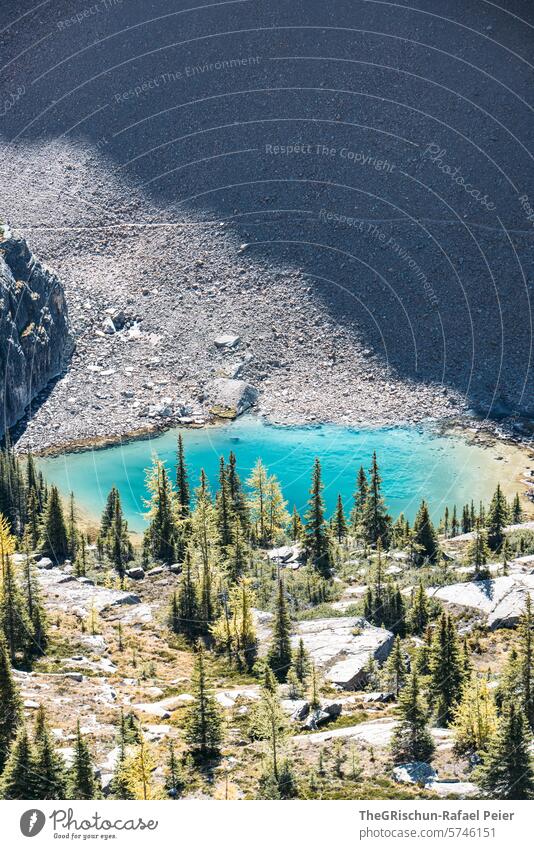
[(229, 398), (341, 647), (416, 772), (35, 341), (498, 601)]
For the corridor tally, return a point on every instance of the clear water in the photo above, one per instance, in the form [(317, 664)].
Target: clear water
[(414, 461)]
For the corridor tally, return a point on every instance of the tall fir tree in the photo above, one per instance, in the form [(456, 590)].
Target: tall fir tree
[(19, 779), (182, 481), (445, 669), (507, 772), (204, 731), (425, 534), (81, 778), (10, 704), (279, 655), (49, 764), (55, 543), (185, 614), (360, 500), (395, 669), (497, 519), (317, 541), (339, 524), (376, 521), (412, 740)]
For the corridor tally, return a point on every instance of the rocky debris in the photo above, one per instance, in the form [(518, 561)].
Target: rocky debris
[(376, 732), (287, 555), (462, 538), (229, 398), (44, 563), (164, 707), (227, 341), (452, 787), (378, 698), (320, 716), (35, 340), (136, 573), (341, 647), (350, 597), (230, 698), (65, 592), (499, 601), (153, 709), (416, 772)]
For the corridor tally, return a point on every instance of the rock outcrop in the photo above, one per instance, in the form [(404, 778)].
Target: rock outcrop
[(35, 342), (498, 601), (341, 647)]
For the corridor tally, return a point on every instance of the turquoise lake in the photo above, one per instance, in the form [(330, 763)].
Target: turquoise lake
[(414, 462)]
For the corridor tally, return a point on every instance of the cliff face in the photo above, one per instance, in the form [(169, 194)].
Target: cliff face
[(35, 342)]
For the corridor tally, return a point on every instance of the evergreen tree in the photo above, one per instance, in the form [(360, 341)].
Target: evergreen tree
[(19, 778), (339, 525), (14, 622), (376, 521), (360, 500), (507, 770), (55, 542), (497, 519), (174, 777), (445, 669), (224, 510), (419, 614), (204, 731), (234, 632), (138, 769), (49, 766), (317, 542), (72, 530), (35, 609), (296, 525), (237, 495), (10, 704), (517, 510), (425, 534), (279, 655), (185, 614), (526, 661), (301, 663), (478, 551), (412, 740), (395, 670), (454, 523), (162, 532), (182, 481), (81, 780), (204, 534), (257, 483), (270, 724)]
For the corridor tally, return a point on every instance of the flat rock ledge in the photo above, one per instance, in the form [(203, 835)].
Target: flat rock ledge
[(499, 601)]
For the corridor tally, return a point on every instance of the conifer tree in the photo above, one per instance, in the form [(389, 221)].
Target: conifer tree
[(33, 527), (360, 499), (182, 481), (507, 770), (55, 542), (237, 559), (301, 663), (72, 530), (14, 622), (419, 614), (204, 533), (234, 631), (185, 614), (395, 670), (478, 551), (204, 732), (81, 779), (296, 525), (425, 534), (162, 533), (317, 542), (376, 521), (49, 766), (138, 770), (237, 495), (257, 483), (279, 655), (526, 661), (19, 778), (412, 740), (517, 510), (271, 724), (339, 525), (475, 718), (445, 669), (497, 519), (454, 523), (277, 515), (174, 777), (224, 510), (10, 704)]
